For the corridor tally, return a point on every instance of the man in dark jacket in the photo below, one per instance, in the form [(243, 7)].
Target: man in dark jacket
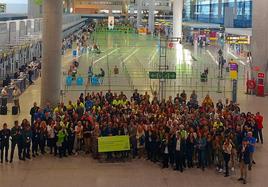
[(27, 138), (4, 136), (33, 110), (165, 149), (15, 134), (178, 147), (244, 160)]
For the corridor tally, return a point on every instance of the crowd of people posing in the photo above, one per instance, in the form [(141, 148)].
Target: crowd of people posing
[(178, 132)]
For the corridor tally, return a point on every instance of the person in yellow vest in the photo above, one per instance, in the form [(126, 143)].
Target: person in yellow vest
[(217, 123), (124, 101), (96, 108), (70, 107), (78, 104), (207, 101), (116, 101), (58, 109)]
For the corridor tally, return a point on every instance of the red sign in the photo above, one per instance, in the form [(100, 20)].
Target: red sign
[(213, 34), (261, 75), (170, 45), (256, 68), (251, 84)]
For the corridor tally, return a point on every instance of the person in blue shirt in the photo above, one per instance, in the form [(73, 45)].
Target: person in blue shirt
[(200, 146), (106, 131), (48, 109), (252, 143), (39, 115), (89, 104)]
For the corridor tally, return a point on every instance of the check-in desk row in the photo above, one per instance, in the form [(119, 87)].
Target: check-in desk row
[(22, 83)]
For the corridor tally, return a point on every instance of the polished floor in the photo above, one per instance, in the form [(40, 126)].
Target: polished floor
[(135, 56)]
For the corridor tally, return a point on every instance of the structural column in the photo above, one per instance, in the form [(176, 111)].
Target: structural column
[(131, 13), (177, 18), (235, 8), (34, 10), (68, 6), (139, 13), (260, 39), (72, 8), (51, 62), (151, 15), (220, 6), (125, 7)]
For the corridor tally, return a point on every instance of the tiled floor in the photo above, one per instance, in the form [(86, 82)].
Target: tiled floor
[(138, 54)]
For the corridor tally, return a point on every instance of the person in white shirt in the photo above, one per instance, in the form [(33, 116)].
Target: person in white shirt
[(4, 91), (51, 137), (16, 93), (178, 152), (140, 136), (21, 75), (78, 137), (4, 95), (227, 150)]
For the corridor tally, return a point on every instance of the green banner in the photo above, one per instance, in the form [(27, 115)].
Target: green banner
[(113, 143)]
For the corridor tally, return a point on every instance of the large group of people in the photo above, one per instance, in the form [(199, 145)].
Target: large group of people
[(178, 132)]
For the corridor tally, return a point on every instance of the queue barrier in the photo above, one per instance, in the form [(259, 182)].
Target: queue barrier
[(79, 81), (95, 81)]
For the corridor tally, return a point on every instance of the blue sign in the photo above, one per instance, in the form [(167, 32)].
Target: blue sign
[(75, 53)]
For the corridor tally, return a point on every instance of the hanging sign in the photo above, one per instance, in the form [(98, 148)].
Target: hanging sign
[(111, 22), (38, 2)]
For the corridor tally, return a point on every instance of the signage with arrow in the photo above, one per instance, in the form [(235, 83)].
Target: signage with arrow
[(162, 75)]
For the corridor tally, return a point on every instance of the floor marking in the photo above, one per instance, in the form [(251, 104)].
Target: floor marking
[(136, 50), (213, 58), (236, 58), (105, 56), (153, 56)]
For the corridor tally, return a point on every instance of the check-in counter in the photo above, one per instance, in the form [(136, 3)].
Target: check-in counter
[(21, 83), (35, 73)]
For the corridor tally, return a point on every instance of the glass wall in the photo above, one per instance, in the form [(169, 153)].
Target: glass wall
[(213, 11)]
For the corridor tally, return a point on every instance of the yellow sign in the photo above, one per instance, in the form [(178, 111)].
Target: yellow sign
[(233, 75), (113, 143), (238, 40), (233, 70), (212, 38)]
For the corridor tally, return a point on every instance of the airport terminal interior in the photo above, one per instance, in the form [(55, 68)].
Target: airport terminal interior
[(134, 93)]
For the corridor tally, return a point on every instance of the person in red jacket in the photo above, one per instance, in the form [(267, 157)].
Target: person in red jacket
[(259, 121)]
